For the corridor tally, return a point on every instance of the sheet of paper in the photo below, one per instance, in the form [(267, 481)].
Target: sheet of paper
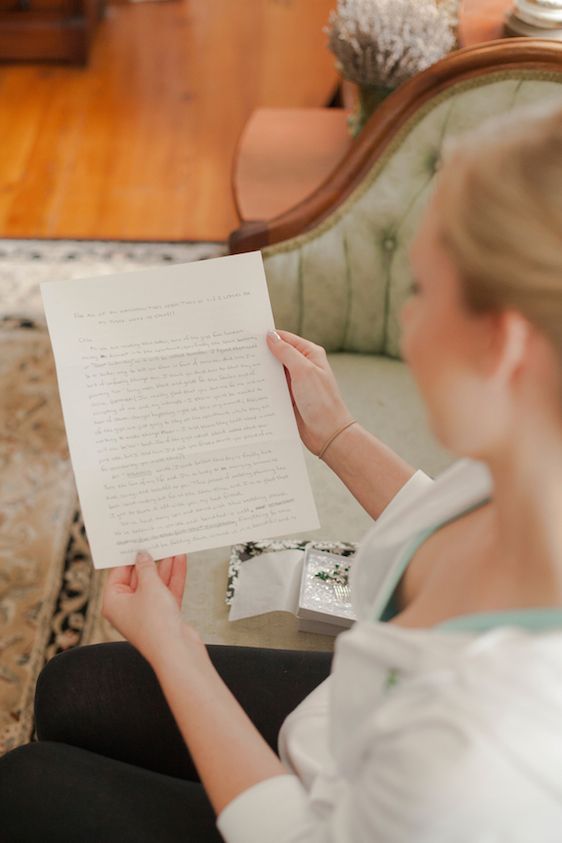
[(179, 420), (268, 582)]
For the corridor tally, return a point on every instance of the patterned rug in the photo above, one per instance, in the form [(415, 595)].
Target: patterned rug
[(49, 591)]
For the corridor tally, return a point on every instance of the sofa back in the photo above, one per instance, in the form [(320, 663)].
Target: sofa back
[(342, 283)]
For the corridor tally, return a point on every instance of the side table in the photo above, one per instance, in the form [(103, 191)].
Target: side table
[(482, 20), (285, 154)]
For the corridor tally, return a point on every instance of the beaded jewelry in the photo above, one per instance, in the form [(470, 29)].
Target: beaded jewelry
[(338, 574)]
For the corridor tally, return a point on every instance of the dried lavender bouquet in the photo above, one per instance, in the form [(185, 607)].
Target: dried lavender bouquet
[(379, 44)]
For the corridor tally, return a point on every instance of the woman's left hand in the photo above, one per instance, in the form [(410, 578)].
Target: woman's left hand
[(143, 602)]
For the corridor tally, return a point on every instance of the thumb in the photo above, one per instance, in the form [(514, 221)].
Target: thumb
[(145, 565), (286, 353)]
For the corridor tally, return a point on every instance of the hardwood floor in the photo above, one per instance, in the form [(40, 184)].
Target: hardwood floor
[(139, 145)]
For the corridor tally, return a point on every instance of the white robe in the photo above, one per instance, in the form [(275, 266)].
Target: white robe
[(444, 735)]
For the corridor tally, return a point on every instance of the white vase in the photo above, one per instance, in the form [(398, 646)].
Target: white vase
[(542, 14)]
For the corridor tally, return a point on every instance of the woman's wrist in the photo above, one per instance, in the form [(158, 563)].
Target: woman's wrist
[(337, 451), (317, 440), (337, 432), (187, 646), (371, 470)]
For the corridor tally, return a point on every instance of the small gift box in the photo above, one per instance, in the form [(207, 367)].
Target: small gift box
[(324, 604), (267, 576)]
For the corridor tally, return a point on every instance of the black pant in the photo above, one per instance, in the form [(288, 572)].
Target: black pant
[(110, 763)]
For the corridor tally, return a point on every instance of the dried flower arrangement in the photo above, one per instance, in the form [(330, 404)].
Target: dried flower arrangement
[(379, 44)]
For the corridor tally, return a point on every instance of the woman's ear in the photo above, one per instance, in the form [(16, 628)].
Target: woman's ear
[(510, 333)]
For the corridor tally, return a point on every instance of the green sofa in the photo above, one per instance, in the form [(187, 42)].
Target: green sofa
[(342, 281)]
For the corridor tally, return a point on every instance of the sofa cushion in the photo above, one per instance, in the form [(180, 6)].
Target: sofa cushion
[(381, 395)]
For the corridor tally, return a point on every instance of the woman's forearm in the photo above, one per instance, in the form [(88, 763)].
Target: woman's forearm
[(228, 751), (371, 470)]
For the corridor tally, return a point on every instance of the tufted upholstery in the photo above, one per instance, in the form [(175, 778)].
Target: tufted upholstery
[(342, 284)]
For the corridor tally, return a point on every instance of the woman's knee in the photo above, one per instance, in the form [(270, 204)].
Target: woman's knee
[(69, 682), (23, 774), (51, 792), (33, 792), (21, 765)]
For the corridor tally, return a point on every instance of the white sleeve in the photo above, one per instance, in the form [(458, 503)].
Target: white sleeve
[(275, 810), (407, 788), (434, 779), (418, 483)]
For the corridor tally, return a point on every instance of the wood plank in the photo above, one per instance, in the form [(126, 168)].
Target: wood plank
[(139, 145), (21, 119)]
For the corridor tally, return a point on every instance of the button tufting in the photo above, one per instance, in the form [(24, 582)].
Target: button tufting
[(434, 162), (389, 243)]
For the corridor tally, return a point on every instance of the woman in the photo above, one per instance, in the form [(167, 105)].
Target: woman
[(443, 723)]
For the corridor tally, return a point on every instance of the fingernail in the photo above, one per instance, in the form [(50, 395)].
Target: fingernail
[(143, 556), (274, 336)]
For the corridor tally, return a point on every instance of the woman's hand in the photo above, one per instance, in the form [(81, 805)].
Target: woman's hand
[(319, 407), (143, 601)]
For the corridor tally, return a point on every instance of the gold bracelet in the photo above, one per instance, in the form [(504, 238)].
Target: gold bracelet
[(331, 439)]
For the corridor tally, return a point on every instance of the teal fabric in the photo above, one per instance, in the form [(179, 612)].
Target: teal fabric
[(534, 619), (391, 608)]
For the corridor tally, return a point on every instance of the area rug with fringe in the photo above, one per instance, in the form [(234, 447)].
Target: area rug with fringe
[(49, 592)]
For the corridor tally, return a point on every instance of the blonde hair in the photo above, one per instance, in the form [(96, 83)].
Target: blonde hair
[(500, 199)]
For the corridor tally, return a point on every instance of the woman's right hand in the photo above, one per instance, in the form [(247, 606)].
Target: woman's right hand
[(319, 407)]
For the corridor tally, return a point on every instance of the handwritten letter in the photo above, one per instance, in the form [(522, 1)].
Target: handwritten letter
[(179, 421)]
